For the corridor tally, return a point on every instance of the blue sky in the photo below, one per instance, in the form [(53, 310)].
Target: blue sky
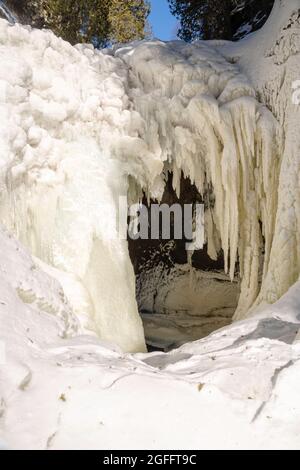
[(162, 22)]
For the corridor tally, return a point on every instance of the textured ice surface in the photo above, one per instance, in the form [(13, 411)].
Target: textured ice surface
[(238, 388), (79, 128), (76, 123)]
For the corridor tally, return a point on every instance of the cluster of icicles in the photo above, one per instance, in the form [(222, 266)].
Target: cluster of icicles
[(202, 119)]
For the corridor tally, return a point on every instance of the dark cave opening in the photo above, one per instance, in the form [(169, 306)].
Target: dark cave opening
[(180, 299)]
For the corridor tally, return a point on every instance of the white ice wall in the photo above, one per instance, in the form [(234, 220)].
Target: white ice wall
[(202, 117), (76, 122)]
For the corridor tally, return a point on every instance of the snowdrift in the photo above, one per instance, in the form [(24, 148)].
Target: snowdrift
[(81, 128)]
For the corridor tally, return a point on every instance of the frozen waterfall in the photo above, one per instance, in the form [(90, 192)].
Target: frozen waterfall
[(81, 127)]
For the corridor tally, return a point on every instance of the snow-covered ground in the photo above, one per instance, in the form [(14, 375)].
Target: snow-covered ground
[(79, 128), (238, 388)]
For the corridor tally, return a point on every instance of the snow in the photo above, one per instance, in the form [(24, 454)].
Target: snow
[(79, 128), (62, 390)]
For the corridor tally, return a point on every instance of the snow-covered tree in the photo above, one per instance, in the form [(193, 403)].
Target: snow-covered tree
[(219, 19)]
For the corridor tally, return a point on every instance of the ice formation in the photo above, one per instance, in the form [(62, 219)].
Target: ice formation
[(236, 389), (79, 128), (64, 115), (82, 127), (273, 69)]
